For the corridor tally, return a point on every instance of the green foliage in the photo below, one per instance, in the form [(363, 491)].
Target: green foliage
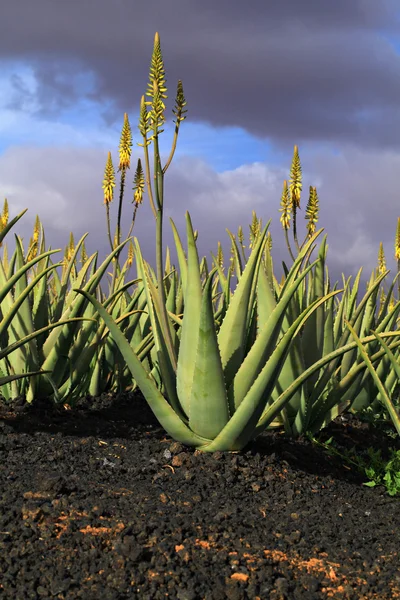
[(370, 463)]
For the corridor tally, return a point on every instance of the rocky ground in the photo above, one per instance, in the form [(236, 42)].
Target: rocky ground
[(98, 503)]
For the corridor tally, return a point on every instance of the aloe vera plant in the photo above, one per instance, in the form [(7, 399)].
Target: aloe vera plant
[(19, 354)]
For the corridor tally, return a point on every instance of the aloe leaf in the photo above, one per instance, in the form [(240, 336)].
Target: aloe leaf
[(8, 378), (191, 323), (58, 343), (263, 346), (236, 255), (11, 224), (384, 396), (313, 333), (271, 411), (158, 404), (181, 257), (65, 279), (266, 301), (12, 347), (242, 424), (208, 406), (232, 333)]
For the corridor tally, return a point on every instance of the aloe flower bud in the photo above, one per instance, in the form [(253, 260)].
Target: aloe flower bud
[(286, 207), (295, 185), (36, 229), (4, 217), (220, 256), (130, 254), (109, 181), (312, 211), (138, 187), (180, 103), (397, 242), (125, 145), (381, 260), (84, 255)]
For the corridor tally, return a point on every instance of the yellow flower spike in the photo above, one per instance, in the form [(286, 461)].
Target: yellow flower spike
[(269, 241), (4, 216), (71, 244), (180, 103), (144, 122), (255, 229), (32, 250), (312, 211), (125, 145), (220, 256), (138, 186), (241, 236), (36, 229), (84, 255), (109, 181), (157, 72), (295, 185), (286, 207), (130, 254), (397, 242), (381, 259), (156, 87), (157, 110)]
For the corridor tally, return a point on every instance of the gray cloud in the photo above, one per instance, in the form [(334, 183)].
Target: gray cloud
[(289, 71)]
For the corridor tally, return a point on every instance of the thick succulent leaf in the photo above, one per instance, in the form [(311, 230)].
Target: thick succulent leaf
[(21, 298), (384, 395), (236, 255), (233, 331), (344, 362), (208, 406), (271, 411), (263, 346), (313, 333), (5, 351), (162, 353), (58, 343), (241, 426), (11, 224), (266, 300), (9, 378), (328, 326), (12, 279), (191, 323), (181, 257), (59, 305), (163, 411), (171, 297)]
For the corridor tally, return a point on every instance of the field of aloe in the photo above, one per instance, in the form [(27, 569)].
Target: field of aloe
[(222, 351)]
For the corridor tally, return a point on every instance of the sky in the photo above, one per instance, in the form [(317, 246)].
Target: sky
[(258, 78)]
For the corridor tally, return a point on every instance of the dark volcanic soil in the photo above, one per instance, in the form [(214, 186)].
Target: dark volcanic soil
[(98, 503)]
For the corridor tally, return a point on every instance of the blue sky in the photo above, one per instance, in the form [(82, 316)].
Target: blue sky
[(257, 78)]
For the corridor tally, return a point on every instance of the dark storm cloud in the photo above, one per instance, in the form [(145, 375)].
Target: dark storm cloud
[(291, 71)]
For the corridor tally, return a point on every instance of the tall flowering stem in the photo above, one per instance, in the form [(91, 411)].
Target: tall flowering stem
[(295, 187), (138, 189), (125, 150), (286, 210), (151, 122), (108, 188)]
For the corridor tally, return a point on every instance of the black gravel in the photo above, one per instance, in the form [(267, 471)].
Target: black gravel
[(98, 503)]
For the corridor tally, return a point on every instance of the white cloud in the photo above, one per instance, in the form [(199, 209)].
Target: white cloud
[(357, 191)]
